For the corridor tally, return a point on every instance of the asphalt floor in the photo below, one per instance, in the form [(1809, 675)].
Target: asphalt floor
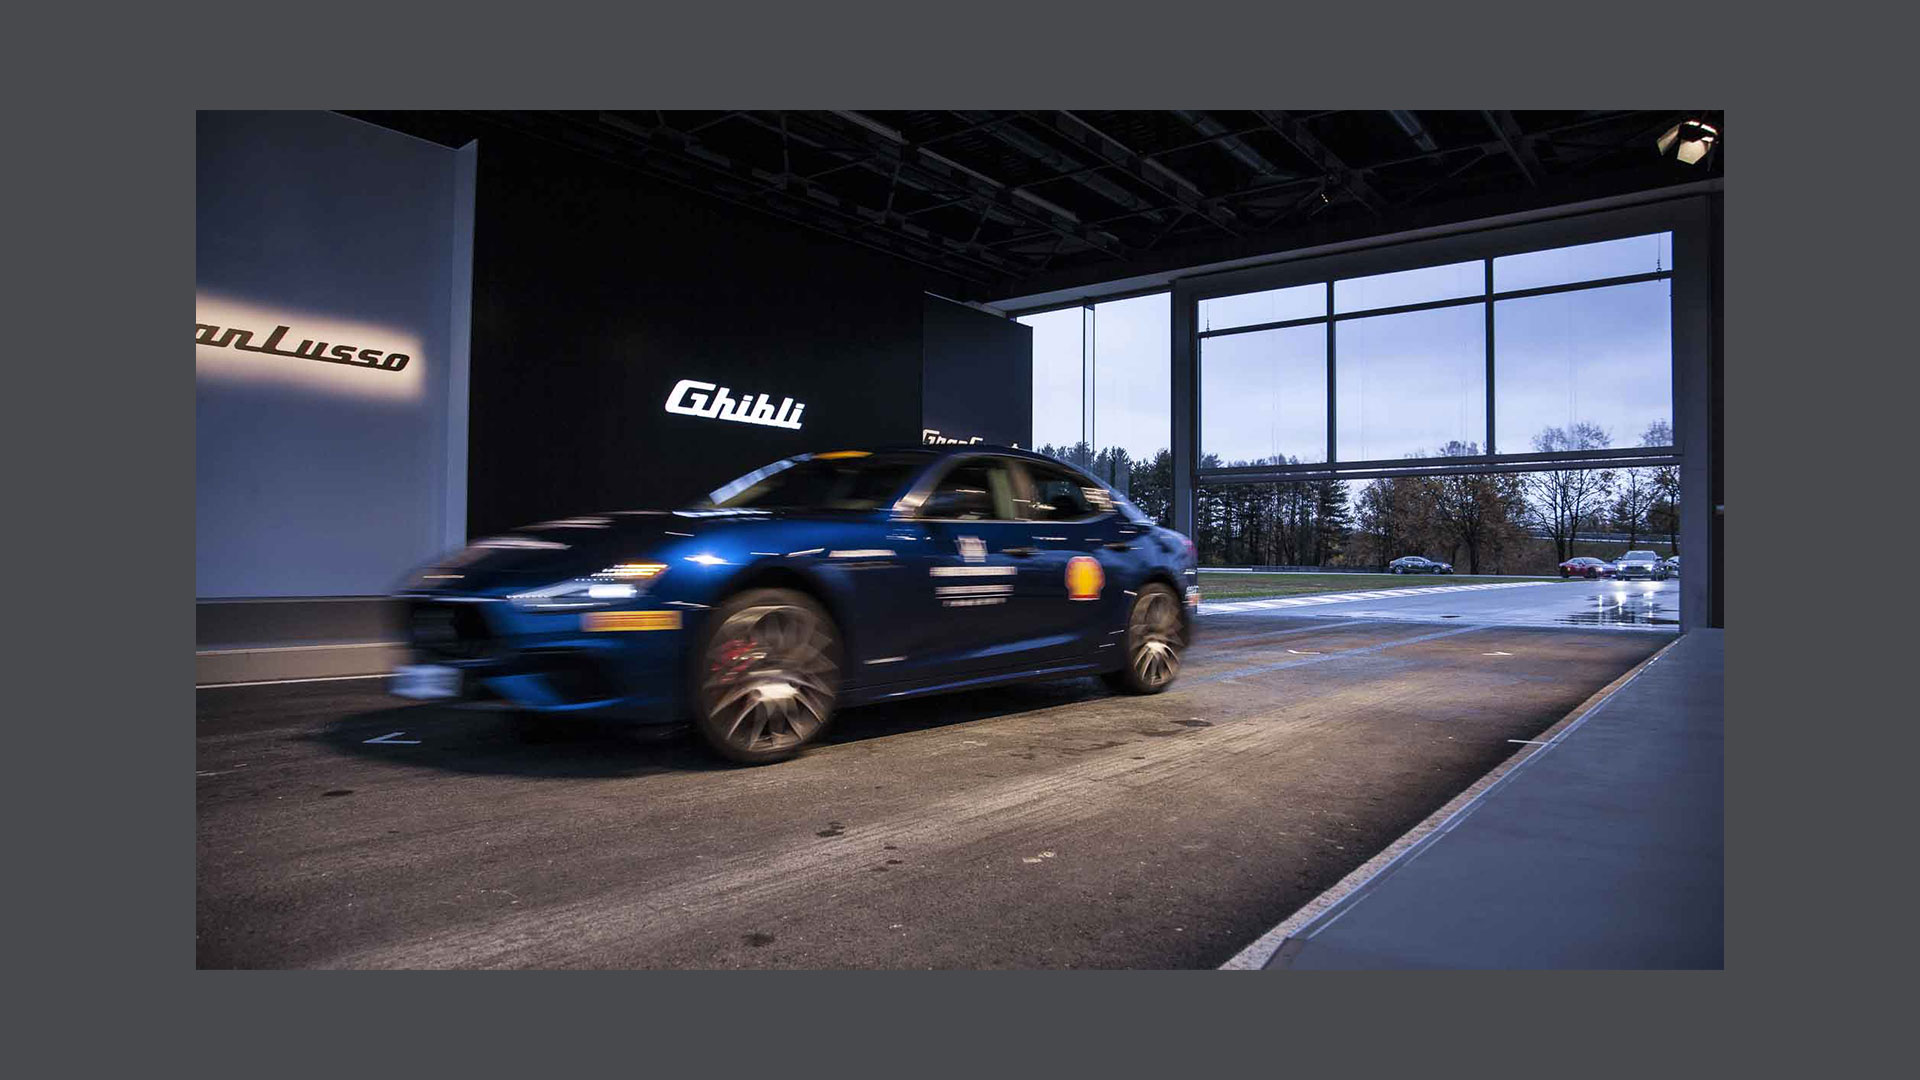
[(1037, 826)]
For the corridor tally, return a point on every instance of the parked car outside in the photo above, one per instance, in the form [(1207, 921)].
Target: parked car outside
[(1640, 564), (1586, 566)]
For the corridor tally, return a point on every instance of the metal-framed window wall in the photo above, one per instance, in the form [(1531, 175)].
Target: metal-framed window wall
[(1691, 274)]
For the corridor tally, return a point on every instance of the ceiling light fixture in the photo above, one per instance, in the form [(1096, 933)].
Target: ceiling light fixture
[(1690, 141)]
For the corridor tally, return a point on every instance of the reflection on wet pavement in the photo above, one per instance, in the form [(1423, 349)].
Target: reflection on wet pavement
[(1624, 604)]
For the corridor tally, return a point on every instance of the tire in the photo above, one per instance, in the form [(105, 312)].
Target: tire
[(1592, 574), (1155, 640), (534, 728), (766, 676), (1399, 570)]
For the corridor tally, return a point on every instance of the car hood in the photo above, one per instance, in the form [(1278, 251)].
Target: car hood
[(578, 546)]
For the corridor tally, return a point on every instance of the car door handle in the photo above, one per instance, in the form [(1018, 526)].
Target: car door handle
[(1020, 552), (1118, 545)]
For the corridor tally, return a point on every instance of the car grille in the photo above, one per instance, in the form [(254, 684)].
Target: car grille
[(449, 631)]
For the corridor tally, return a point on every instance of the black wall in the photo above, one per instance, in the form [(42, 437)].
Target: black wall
[(978, 375), (596, 289)]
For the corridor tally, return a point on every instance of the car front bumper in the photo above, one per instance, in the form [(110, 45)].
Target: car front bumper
[(626, 664)]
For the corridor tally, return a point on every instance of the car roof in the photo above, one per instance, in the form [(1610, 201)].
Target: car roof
[(946, 450)]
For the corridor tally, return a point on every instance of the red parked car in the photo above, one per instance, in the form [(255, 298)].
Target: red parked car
[(1586, 566)]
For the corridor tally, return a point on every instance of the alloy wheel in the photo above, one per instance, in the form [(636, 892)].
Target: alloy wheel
[(770, 679), (1154, 634)]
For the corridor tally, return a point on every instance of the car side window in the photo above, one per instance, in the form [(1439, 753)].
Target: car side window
[(1058, 495), (972, 491)]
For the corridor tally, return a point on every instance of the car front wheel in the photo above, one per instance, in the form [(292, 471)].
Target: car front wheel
[(769, 672), (1155, 640)]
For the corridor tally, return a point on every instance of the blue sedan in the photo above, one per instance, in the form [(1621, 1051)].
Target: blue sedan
[(818, 582)]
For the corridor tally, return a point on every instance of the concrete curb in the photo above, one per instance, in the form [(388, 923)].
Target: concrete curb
[(1256, 955), (212, 667)]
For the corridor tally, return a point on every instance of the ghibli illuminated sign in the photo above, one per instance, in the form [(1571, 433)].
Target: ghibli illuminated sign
[(709, 401), (308, 349)]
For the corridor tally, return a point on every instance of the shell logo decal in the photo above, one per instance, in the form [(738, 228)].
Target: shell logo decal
[(1085, 578)]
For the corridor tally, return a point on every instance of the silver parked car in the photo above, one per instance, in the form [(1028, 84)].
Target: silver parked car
[(1644, 564)]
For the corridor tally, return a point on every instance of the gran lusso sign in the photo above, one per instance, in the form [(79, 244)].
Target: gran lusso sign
[(308, 349), (710, 401)]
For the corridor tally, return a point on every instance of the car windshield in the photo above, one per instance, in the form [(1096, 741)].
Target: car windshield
[(849, 480), (1641, 556)]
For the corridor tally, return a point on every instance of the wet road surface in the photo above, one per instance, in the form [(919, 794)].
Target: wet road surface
[(1051, 825)]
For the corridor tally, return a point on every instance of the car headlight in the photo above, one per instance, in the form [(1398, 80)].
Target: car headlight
[(617, 584)]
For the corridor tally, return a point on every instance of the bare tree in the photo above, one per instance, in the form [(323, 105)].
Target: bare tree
[(1564, 501), (1642, 489), (1473, 508), (1663, 506)]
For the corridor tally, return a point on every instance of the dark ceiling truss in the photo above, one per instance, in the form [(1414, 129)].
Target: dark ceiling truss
[(676, 155), (1296, 132), (1502, 123), (1003, 199)]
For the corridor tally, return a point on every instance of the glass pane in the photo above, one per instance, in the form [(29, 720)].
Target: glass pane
[(1263, 397), (1059, 412), (1132, 384), (1410, 287), (1057, 495), (1412, 384), (1584, 262), (1274, 305), (1596, 364)]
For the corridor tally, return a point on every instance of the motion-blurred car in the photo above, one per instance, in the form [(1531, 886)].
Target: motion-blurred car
[(1415, 564), (1586, 566), (1673, 565), (818, 582), (1640, 564)]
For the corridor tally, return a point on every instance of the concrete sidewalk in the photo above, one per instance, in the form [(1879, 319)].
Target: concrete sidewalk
[(1603, 850)]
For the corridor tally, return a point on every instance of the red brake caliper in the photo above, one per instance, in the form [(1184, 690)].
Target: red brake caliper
[(732, 659)]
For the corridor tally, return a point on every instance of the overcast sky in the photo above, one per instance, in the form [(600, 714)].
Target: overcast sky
[(1408, 383)]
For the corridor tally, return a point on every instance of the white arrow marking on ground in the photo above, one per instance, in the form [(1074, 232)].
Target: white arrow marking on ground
[(389, 738)]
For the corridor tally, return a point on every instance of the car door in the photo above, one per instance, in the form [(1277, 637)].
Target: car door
[(966, 575), (1082, 562)]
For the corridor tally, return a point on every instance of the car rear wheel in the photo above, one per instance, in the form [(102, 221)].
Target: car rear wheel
[(1155, 640), (769, 672)]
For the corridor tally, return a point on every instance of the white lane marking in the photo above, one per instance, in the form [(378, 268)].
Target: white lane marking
[(1233, 606), (278, 682), (1530, 742), (389, 739), (1496, 654), (1297, 652)]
